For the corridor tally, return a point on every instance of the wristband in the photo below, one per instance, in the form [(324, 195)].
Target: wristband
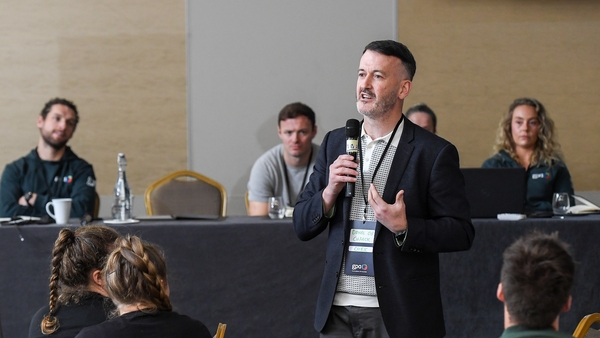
[(27, 197)]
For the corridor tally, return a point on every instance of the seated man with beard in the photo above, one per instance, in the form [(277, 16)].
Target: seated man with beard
[(51, 170)]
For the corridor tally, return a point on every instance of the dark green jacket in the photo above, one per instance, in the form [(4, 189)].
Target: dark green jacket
[(518, 331), (542, 181), (72, 177)]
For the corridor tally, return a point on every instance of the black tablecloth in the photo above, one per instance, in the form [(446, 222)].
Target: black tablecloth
[(469, 279), (255, 275)]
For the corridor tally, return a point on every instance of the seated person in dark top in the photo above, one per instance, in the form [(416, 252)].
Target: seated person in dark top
[(77, 297), (422, 116), (535, 286), (51, 170), (136, 281), (526, 138)]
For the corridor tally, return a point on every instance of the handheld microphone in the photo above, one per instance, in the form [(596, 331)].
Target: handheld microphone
[(352, 134)]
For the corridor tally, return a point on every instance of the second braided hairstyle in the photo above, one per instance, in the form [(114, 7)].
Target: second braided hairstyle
[(136, 274)]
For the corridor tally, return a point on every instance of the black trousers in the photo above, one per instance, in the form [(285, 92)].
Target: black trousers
[(355, 322)]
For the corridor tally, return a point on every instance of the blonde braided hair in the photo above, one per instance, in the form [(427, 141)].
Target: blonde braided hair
[(136, 273)]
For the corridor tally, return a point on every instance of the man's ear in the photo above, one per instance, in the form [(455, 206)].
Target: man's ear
[(567, 306), (404, 89), (40, 121), (500, 293)]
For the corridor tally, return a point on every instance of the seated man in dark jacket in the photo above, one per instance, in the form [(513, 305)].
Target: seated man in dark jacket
[(51, 170)]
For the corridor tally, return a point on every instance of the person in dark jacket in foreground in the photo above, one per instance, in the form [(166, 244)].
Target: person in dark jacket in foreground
[(381, 276)]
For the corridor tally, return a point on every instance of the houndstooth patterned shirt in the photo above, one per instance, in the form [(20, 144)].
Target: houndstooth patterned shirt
[(372, 151)]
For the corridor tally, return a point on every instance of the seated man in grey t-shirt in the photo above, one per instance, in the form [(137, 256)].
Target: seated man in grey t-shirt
[(284, 169)]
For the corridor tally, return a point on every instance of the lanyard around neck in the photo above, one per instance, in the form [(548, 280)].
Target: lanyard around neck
[(362, 176), (287, 180)]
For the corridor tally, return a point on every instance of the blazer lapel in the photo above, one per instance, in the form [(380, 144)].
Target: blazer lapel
[(399, 165)]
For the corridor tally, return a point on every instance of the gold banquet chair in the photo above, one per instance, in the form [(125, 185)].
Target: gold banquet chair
[(583, 330), (186, 192), (221, 331), (96, 204)]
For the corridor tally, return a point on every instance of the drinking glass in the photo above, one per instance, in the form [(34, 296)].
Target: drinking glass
[(560, 203), (276, 207)]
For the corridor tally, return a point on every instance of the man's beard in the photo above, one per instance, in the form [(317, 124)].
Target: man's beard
[(380, 107), (53, 144)]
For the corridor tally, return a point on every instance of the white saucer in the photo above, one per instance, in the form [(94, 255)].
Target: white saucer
[(116, 221)]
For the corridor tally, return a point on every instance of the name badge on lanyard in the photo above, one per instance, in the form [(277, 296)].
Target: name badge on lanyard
[(359, 257)]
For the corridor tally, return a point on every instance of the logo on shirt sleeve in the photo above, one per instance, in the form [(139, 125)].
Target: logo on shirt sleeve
[(91, 182)]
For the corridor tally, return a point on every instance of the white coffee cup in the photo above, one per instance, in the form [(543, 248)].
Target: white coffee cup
[(62, 210)]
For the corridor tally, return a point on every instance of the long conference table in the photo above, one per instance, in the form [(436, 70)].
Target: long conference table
[(253, 274)]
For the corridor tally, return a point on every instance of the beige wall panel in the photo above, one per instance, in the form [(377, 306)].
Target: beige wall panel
[(123, 63), (135, 100), (475, 57)]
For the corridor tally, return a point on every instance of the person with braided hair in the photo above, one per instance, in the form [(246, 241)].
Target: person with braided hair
[(77, 296), (136, 281)]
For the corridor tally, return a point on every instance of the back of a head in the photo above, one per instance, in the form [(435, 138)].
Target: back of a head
[(136, 273), (397, 49), (75, 255), (537, 277), (296, 109)]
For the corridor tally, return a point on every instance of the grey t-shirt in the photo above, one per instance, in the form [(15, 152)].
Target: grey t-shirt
[(267, 177)]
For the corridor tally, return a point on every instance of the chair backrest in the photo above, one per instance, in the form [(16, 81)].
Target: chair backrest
[(186, 192), (592, 333), (96, 204), (221, 331), (584, 325)]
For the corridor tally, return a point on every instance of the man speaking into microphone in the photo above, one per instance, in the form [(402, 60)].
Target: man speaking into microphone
[(381, 275)]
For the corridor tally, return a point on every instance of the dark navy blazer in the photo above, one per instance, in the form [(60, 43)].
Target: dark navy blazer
[(407, 278)]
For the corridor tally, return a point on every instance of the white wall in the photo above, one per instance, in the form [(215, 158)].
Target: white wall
[(592, 196), (247, 59)]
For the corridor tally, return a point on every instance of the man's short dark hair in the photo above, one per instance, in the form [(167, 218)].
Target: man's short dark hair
[(422, 108), (537, 277), (296, 109), (397, 49), (62, 101)]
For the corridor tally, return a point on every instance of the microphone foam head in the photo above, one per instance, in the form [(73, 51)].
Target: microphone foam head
[(352, 128)]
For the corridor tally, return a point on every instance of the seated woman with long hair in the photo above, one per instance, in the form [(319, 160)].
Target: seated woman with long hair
[(77, 297), (526, 138), (136, 281)]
